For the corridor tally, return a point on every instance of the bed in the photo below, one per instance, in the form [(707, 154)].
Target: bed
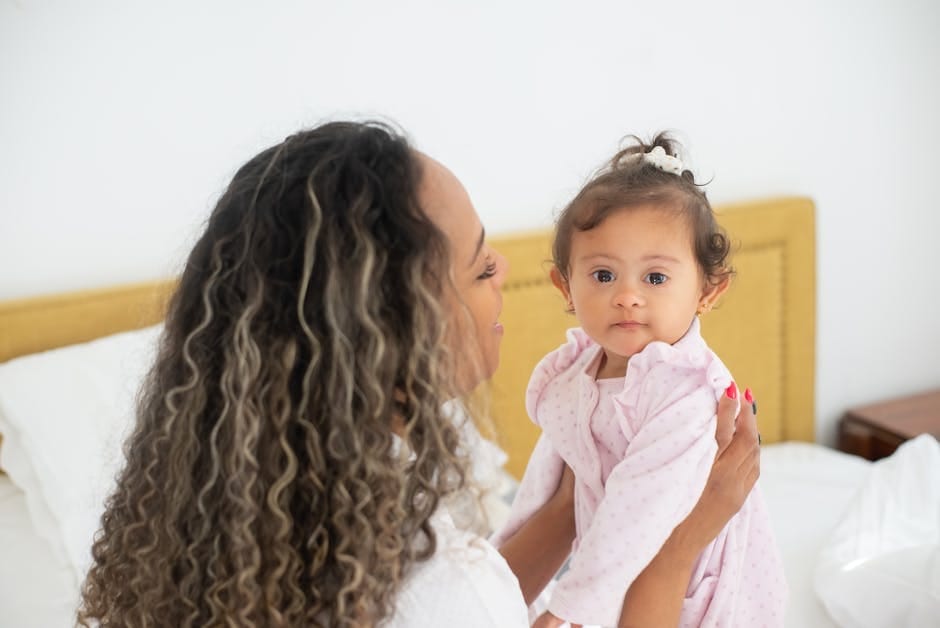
[(69, 365)]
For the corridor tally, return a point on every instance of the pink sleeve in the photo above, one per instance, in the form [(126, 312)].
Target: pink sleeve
[(539, 483), (646, 495), (545, 466), (551, 366)]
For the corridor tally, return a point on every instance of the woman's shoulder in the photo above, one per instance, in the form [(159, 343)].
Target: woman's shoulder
[(466, 583)]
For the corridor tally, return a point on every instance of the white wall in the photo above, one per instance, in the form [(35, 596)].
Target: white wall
[(121, 121)]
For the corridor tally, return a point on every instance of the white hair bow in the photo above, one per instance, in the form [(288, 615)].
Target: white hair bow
[(665, 162)]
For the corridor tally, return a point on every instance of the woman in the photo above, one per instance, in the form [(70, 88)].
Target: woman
[(291, 454)]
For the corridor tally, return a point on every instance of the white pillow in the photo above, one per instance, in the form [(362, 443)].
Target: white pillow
[(64, 415), (881, 566)]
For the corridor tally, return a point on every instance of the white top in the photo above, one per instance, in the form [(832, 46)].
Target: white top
[(465, 584)]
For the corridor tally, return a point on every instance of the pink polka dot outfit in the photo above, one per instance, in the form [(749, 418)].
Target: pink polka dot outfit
[(641, 448)]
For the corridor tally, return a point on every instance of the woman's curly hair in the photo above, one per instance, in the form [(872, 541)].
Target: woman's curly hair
[(262, 485)]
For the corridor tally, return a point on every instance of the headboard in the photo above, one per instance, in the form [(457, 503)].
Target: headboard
[(763, 329), (42, 323)]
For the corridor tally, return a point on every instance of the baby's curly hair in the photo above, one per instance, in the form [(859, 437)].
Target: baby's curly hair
[(262, 485), (628, 181)]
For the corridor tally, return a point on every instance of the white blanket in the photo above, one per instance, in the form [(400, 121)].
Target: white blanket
[(881, 566)]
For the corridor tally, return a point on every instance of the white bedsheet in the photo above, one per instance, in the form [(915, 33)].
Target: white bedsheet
[(808, 488)]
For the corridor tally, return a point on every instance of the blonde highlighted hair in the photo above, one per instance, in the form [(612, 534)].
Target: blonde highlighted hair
[(262, 485)]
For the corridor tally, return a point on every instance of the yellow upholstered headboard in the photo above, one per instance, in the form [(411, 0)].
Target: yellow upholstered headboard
[(42, 323), (763, 328)]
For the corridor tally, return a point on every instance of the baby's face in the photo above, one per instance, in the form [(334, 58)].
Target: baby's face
[(634, 279)]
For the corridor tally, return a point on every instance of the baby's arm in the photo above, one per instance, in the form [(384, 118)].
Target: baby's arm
[(647, 494)]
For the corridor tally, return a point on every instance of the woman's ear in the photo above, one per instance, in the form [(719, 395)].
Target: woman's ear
[(711, 293), (562, 284)]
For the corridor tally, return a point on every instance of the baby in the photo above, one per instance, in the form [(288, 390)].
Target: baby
[(628, 402)]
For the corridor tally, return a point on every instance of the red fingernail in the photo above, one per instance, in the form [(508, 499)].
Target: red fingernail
[(748, 396), (732, 391)]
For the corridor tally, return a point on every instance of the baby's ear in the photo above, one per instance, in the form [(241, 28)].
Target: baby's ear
[(713, 291), (561, 283)]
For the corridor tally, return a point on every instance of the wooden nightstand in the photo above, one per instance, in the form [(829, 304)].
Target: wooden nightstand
[(875, 431)]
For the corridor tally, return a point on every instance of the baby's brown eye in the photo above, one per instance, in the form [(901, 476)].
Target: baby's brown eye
[(656, 278), (603, 276)]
